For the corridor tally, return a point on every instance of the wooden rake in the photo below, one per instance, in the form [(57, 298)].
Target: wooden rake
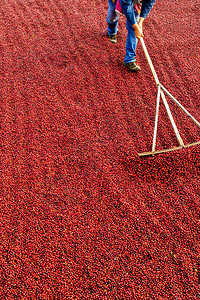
[(161, 90)]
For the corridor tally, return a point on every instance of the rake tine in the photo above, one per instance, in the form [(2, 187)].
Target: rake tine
[(179, 104), (156, 119), (179, 139)]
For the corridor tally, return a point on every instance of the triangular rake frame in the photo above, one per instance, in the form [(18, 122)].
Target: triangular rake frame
[(161, 90)]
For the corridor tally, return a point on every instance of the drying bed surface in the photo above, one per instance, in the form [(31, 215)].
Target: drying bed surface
[(81, 215)]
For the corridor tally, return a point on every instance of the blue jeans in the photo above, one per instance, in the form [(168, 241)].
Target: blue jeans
[(131, 41), (112, 18)]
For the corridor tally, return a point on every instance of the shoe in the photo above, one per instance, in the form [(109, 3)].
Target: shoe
[(132, 66), (113, 38)]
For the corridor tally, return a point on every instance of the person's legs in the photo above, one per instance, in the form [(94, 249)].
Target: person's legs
[(112, 18), (131, 43)]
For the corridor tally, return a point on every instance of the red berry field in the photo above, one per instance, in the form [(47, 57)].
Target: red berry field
[(82, 216)]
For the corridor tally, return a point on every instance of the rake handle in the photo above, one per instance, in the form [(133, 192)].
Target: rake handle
[(179, 139), (149, 61)]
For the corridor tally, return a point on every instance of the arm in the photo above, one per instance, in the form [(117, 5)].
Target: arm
[(138, 29), (146, 8), (139, 32)]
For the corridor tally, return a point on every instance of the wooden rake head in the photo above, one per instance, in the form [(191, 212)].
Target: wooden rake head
[(161, 93)]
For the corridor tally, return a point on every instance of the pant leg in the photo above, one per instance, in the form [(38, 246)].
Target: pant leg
[(112, 18), (131, 43)]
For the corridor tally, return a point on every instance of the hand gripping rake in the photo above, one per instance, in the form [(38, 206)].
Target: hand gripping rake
[(161, 90)]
